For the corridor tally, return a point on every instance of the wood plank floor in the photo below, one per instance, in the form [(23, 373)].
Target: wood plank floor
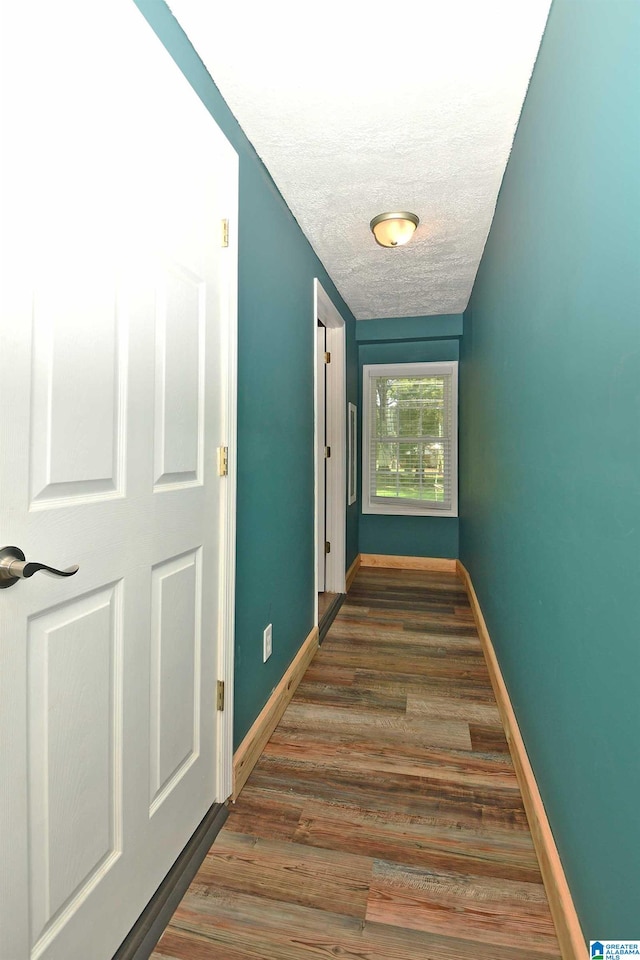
[(384, 820)]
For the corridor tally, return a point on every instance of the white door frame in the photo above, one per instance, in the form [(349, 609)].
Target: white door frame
[(336, 494), (227, 554), (320, 502)]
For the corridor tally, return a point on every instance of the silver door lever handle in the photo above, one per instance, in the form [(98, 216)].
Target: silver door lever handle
[(14, 567)]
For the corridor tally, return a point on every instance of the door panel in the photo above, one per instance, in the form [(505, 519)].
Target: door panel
[(175, 672), (179, 386), (75, 811), (78, 376)]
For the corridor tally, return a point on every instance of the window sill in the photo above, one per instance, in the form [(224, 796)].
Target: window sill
[(406, 510)]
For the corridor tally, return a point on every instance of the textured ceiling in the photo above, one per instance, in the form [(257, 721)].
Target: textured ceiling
[(358, 108)]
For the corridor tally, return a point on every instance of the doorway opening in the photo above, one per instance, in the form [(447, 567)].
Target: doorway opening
[(330, 457)]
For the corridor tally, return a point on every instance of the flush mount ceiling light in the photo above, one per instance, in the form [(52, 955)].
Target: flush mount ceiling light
[(394, 229)]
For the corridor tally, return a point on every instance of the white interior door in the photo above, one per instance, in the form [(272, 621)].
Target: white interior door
[(321, 463), (113, 402)]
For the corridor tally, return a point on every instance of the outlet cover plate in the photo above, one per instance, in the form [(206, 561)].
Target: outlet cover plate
[(267, 643)]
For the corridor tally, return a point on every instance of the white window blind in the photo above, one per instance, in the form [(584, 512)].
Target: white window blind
[(410, 438)]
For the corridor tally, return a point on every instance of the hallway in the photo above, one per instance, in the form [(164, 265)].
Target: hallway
[(384, 820)]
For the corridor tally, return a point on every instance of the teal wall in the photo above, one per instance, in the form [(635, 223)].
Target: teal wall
[(275, 566), (550, 447), (408, 340), (395, 329)]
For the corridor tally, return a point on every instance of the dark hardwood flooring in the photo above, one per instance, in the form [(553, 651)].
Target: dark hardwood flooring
[(384, 820)]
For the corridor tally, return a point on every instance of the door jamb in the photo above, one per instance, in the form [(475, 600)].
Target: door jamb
[(227, 553), (325, 311)]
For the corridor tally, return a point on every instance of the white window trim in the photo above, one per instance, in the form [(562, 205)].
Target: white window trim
[(407, 508), (352, 453)]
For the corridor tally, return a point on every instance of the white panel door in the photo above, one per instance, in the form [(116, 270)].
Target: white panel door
[(117, 296)]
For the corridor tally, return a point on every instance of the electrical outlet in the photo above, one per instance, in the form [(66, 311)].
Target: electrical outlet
[(267, 643)]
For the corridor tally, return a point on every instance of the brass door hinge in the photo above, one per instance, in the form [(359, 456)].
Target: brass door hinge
[(327, 547), (327, 452), (327, 357), (220, 695), (225, 233), (223, 461)]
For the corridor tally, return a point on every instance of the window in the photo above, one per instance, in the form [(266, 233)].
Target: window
[(410, 439)]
